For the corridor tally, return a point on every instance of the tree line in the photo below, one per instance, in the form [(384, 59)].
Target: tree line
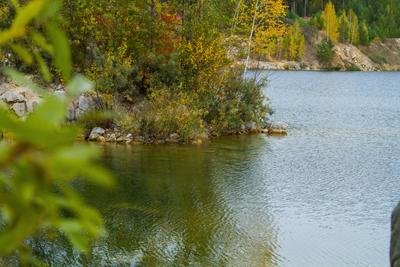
[(380, 18)]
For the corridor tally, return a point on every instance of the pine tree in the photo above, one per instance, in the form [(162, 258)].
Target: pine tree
[(293, 43), (331, 22), (344, 28), (364, 33)]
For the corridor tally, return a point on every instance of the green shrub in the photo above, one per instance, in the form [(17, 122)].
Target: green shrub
[(317, 20), (353, 68), (325, 52), (164, 113), (240, 101), (110, 70)]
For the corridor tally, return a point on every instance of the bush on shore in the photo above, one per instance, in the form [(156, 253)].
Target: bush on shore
[(325, 52)]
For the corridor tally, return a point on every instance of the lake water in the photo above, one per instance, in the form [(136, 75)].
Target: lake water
[(322, 196)]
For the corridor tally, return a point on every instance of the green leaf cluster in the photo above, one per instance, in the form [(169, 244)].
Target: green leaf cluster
[(34, 36)]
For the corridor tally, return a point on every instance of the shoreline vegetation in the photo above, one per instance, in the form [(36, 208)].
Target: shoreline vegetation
[(169, 77), (178, 75)]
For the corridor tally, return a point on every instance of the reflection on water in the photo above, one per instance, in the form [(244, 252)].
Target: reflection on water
[(182, 205), (320, 197)]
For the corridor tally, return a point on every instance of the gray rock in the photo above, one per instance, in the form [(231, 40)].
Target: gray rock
[(83, 103), (173, 138), (3, 88), (78, 113), (278, 126), (19, 109), (60, 87), (124, 139), (96, 133), (71, 113), (12, 97), (32, 104), (111, 138), (75, 104)]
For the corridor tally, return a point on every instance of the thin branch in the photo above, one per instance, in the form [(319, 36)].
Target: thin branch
[(251, 38)]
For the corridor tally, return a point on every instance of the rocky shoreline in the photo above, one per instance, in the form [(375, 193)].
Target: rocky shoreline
[(304, 66), (377, 56), (22, 101), (101, 135)]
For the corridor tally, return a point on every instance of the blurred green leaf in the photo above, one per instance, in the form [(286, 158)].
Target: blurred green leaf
[(52, 8), (50, 114), (11, 34), (15, 4), (27, 13), (44, 70), (77, 238), (41, 41), (79, 85), (23, 53), (42, 159)]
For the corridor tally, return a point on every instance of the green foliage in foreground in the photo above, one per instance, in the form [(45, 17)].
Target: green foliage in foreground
[(37, 167), (40, 160)]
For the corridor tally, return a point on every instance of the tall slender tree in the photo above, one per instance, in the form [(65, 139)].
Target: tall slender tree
[(331, 22)]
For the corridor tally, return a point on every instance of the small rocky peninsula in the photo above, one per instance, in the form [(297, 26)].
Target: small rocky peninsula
[(22, 101)]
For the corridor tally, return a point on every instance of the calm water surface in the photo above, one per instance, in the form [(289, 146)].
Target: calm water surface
[(322, 196)]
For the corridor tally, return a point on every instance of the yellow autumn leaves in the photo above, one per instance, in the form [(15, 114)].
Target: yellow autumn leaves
[(331, 22), (345, 28), (265, 19)]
